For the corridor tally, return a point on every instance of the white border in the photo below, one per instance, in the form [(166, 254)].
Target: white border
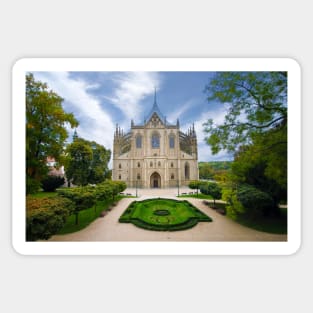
[(156, 248)]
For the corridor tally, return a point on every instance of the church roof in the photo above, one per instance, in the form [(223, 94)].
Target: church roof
[(156, 109)]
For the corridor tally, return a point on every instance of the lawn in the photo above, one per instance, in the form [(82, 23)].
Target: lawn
[(197, 196), (163, 215), (43, 194), (87, 216)]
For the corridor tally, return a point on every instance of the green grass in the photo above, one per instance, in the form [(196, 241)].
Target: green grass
[(181, 215), (43, 194), (86, 216), (199, 196)]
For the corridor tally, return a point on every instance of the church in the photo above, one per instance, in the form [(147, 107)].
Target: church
[(155, 153)]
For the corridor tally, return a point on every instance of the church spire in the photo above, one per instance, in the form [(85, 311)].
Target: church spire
[(155, 102)]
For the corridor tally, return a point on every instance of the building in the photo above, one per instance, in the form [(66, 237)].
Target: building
[(155, 154)]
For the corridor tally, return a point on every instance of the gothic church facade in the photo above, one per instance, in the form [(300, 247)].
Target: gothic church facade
[(155, 154)]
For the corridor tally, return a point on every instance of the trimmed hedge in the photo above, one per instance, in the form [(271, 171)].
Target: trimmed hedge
[(46, 216), (195, 215)]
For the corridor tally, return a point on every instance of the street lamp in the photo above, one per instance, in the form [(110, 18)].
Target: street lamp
[(136, 187), (178, 186)]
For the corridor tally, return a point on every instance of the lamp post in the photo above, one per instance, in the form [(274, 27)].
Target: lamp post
[(136, 187), (178, 186)]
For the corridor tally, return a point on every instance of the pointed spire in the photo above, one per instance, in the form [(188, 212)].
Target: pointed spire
[(155, 103), (75, 136)]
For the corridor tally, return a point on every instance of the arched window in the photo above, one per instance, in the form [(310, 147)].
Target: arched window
[(138, 176), (119, 177), (120, 165), (172, 176), (159, 164), (138, 164), (138, 141), (155, 141), (151, 164), (187, 171), (172, 164), (172, 141)]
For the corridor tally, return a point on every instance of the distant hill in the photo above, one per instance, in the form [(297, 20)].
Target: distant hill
[(207, 170)]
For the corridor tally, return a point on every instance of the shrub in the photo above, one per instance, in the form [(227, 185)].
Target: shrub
[(83, 198), (46, 216), (32, 185), (248, 201), (51, 183), (255, 201)]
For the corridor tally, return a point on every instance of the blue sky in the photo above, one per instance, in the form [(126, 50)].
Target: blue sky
[(99, 100)]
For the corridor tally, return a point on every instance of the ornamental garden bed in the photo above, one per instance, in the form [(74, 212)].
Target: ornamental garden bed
[(163, 215)]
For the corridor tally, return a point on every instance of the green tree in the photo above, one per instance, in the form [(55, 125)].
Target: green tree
[(195, 184), (254, 128), (99, 163), (45, 129), (256, 103), (212, 189), (79, 157), (87, 162)]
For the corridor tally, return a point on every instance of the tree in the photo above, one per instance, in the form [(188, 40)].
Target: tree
[(212, 189), (45, 129), (256, 103), (254, 128), (99, 163), (77, 169), (87, 162), (195, 184)]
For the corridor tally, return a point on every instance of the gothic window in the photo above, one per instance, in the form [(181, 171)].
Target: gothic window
[(172, 176), (138, 164), (151, 164), (138, 141), (155, 141), (159, 164), (187, 171), (120, 165), (172, 164), (138, 176), (172, 142), (119, 177)]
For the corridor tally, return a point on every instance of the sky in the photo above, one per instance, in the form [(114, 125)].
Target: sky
[(100, 100)]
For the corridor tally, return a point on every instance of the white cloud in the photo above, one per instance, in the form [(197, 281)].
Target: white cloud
[(180, 111), (131, 89), (204, 150), (95, 122)]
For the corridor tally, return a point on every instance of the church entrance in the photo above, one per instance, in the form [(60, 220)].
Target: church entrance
[(155, 180)]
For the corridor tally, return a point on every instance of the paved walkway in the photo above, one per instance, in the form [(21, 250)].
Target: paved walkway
[(221, 229)]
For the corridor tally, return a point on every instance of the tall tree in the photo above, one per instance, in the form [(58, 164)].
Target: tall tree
[(254, 127), (256, 103), (87, 162), (79, 157), (99, 164), (45, 127)]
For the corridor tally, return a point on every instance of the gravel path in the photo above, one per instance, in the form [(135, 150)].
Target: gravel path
[(221, 229)]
